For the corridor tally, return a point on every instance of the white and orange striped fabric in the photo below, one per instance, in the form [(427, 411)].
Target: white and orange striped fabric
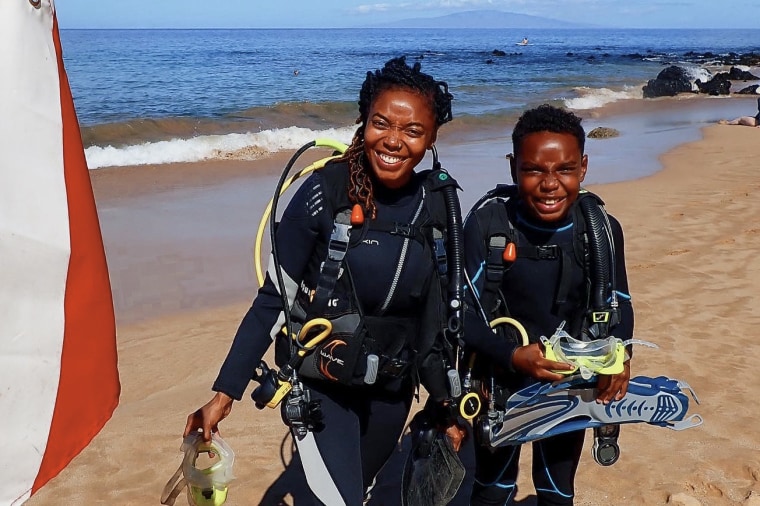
[(59, 382)]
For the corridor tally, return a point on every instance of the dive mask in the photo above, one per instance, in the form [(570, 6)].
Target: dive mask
[(206, 470), (601, 356)]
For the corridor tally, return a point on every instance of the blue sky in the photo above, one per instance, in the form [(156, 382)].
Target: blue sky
[(344, 13)]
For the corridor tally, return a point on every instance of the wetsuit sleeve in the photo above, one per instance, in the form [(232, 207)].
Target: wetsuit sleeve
[(477, 333), (624, 329), (296, 239)]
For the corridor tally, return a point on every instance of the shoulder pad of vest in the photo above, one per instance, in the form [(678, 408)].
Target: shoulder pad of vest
[(336, 179), (506, 191), (584, 194), (496, 195), (334, 168), (437, 179)]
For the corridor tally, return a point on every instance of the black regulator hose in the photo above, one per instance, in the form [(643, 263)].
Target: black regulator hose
[(272, 234), (455, 324), (599, 246), (456, 253)]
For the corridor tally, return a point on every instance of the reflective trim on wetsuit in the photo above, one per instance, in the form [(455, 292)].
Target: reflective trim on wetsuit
[(291, 289), (317, 476)]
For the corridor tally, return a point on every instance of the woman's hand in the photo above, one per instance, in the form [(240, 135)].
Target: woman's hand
[(530, 360), (613, 387), (208, 417)]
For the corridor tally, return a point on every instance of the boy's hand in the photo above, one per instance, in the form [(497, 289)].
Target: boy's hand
[(530, 360), (613, 387)]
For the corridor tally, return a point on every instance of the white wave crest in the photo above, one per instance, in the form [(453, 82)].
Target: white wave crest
[(246, 146), (591, 98), (695, 73)]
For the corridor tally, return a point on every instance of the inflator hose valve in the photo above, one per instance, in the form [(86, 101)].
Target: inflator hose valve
[(371, 375)]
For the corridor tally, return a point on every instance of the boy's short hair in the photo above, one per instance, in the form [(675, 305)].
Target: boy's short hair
[(547, 118)]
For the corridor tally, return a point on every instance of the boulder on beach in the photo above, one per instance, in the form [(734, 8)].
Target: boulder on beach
[(749, 90), (720, 84), (737, 74), (669, 83), (603, 133)]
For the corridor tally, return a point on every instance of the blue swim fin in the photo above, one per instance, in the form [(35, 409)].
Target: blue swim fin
[(547, 409)]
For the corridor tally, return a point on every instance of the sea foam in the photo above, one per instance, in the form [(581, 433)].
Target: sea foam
[(237, 146), (590, 98)]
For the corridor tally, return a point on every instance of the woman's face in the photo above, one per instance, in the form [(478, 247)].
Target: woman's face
[(400, 128)]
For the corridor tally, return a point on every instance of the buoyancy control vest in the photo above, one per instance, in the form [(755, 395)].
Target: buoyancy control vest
[(591, 249), (363, 348)]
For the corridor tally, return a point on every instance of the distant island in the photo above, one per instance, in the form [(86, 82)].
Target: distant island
[(482, 19)]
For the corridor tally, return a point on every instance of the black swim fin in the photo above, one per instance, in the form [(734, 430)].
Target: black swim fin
[(433, 472)]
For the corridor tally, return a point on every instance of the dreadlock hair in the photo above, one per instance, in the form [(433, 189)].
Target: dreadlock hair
[(547, 118), (396, 74)]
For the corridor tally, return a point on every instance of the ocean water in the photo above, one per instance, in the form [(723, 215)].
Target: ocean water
[(160, 96)]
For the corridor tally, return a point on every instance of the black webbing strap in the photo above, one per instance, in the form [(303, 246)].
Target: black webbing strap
[(494, 272), (440, 251), (395, 228), (328, 275)]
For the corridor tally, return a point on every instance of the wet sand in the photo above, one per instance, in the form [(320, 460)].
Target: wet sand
[(179, 243)]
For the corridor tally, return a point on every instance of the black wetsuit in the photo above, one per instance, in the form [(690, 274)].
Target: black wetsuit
[(530, 288), (362, 423)]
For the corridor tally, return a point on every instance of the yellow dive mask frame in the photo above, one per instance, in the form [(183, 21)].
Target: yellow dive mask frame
[(601, 356)]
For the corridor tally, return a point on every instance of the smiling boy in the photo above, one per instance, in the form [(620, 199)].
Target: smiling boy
[(527, 256)]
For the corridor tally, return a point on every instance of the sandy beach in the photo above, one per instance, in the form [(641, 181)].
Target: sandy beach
[(179, 244)]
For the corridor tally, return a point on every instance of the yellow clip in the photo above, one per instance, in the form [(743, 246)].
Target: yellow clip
[(600, 316), (307, 327), (282, 390)]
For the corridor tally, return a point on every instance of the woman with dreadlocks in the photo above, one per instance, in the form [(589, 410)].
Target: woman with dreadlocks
[(386, 298)]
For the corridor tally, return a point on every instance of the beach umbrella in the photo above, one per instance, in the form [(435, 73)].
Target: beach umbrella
[(59, 382)]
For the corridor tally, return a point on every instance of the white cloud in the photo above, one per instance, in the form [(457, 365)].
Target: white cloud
[(370, 8)]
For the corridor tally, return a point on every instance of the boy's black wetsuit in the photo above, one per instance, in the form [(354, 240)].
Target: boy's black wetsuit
[(530, 289), (362, 423)]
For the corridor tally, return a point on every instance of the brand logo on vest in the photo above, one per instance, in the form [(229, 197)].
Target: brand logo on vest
[(326, 358)]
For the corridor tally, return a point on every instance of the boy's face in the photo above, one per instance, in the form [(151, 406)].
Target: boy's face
[(548, 171)]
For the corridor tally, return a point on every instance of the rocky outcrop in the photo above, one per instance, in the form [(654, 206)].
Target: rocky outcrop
[(749, 90), (669, 82), (720, 84), (737, 74), (674, 80)]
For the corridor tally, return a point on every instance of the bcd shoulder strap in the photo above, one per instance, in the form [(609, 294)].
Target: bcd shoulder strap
[(498, 231)]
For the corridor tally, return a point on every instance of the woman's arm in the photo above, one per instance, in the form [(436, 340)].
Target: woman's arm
[(304, 219)]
